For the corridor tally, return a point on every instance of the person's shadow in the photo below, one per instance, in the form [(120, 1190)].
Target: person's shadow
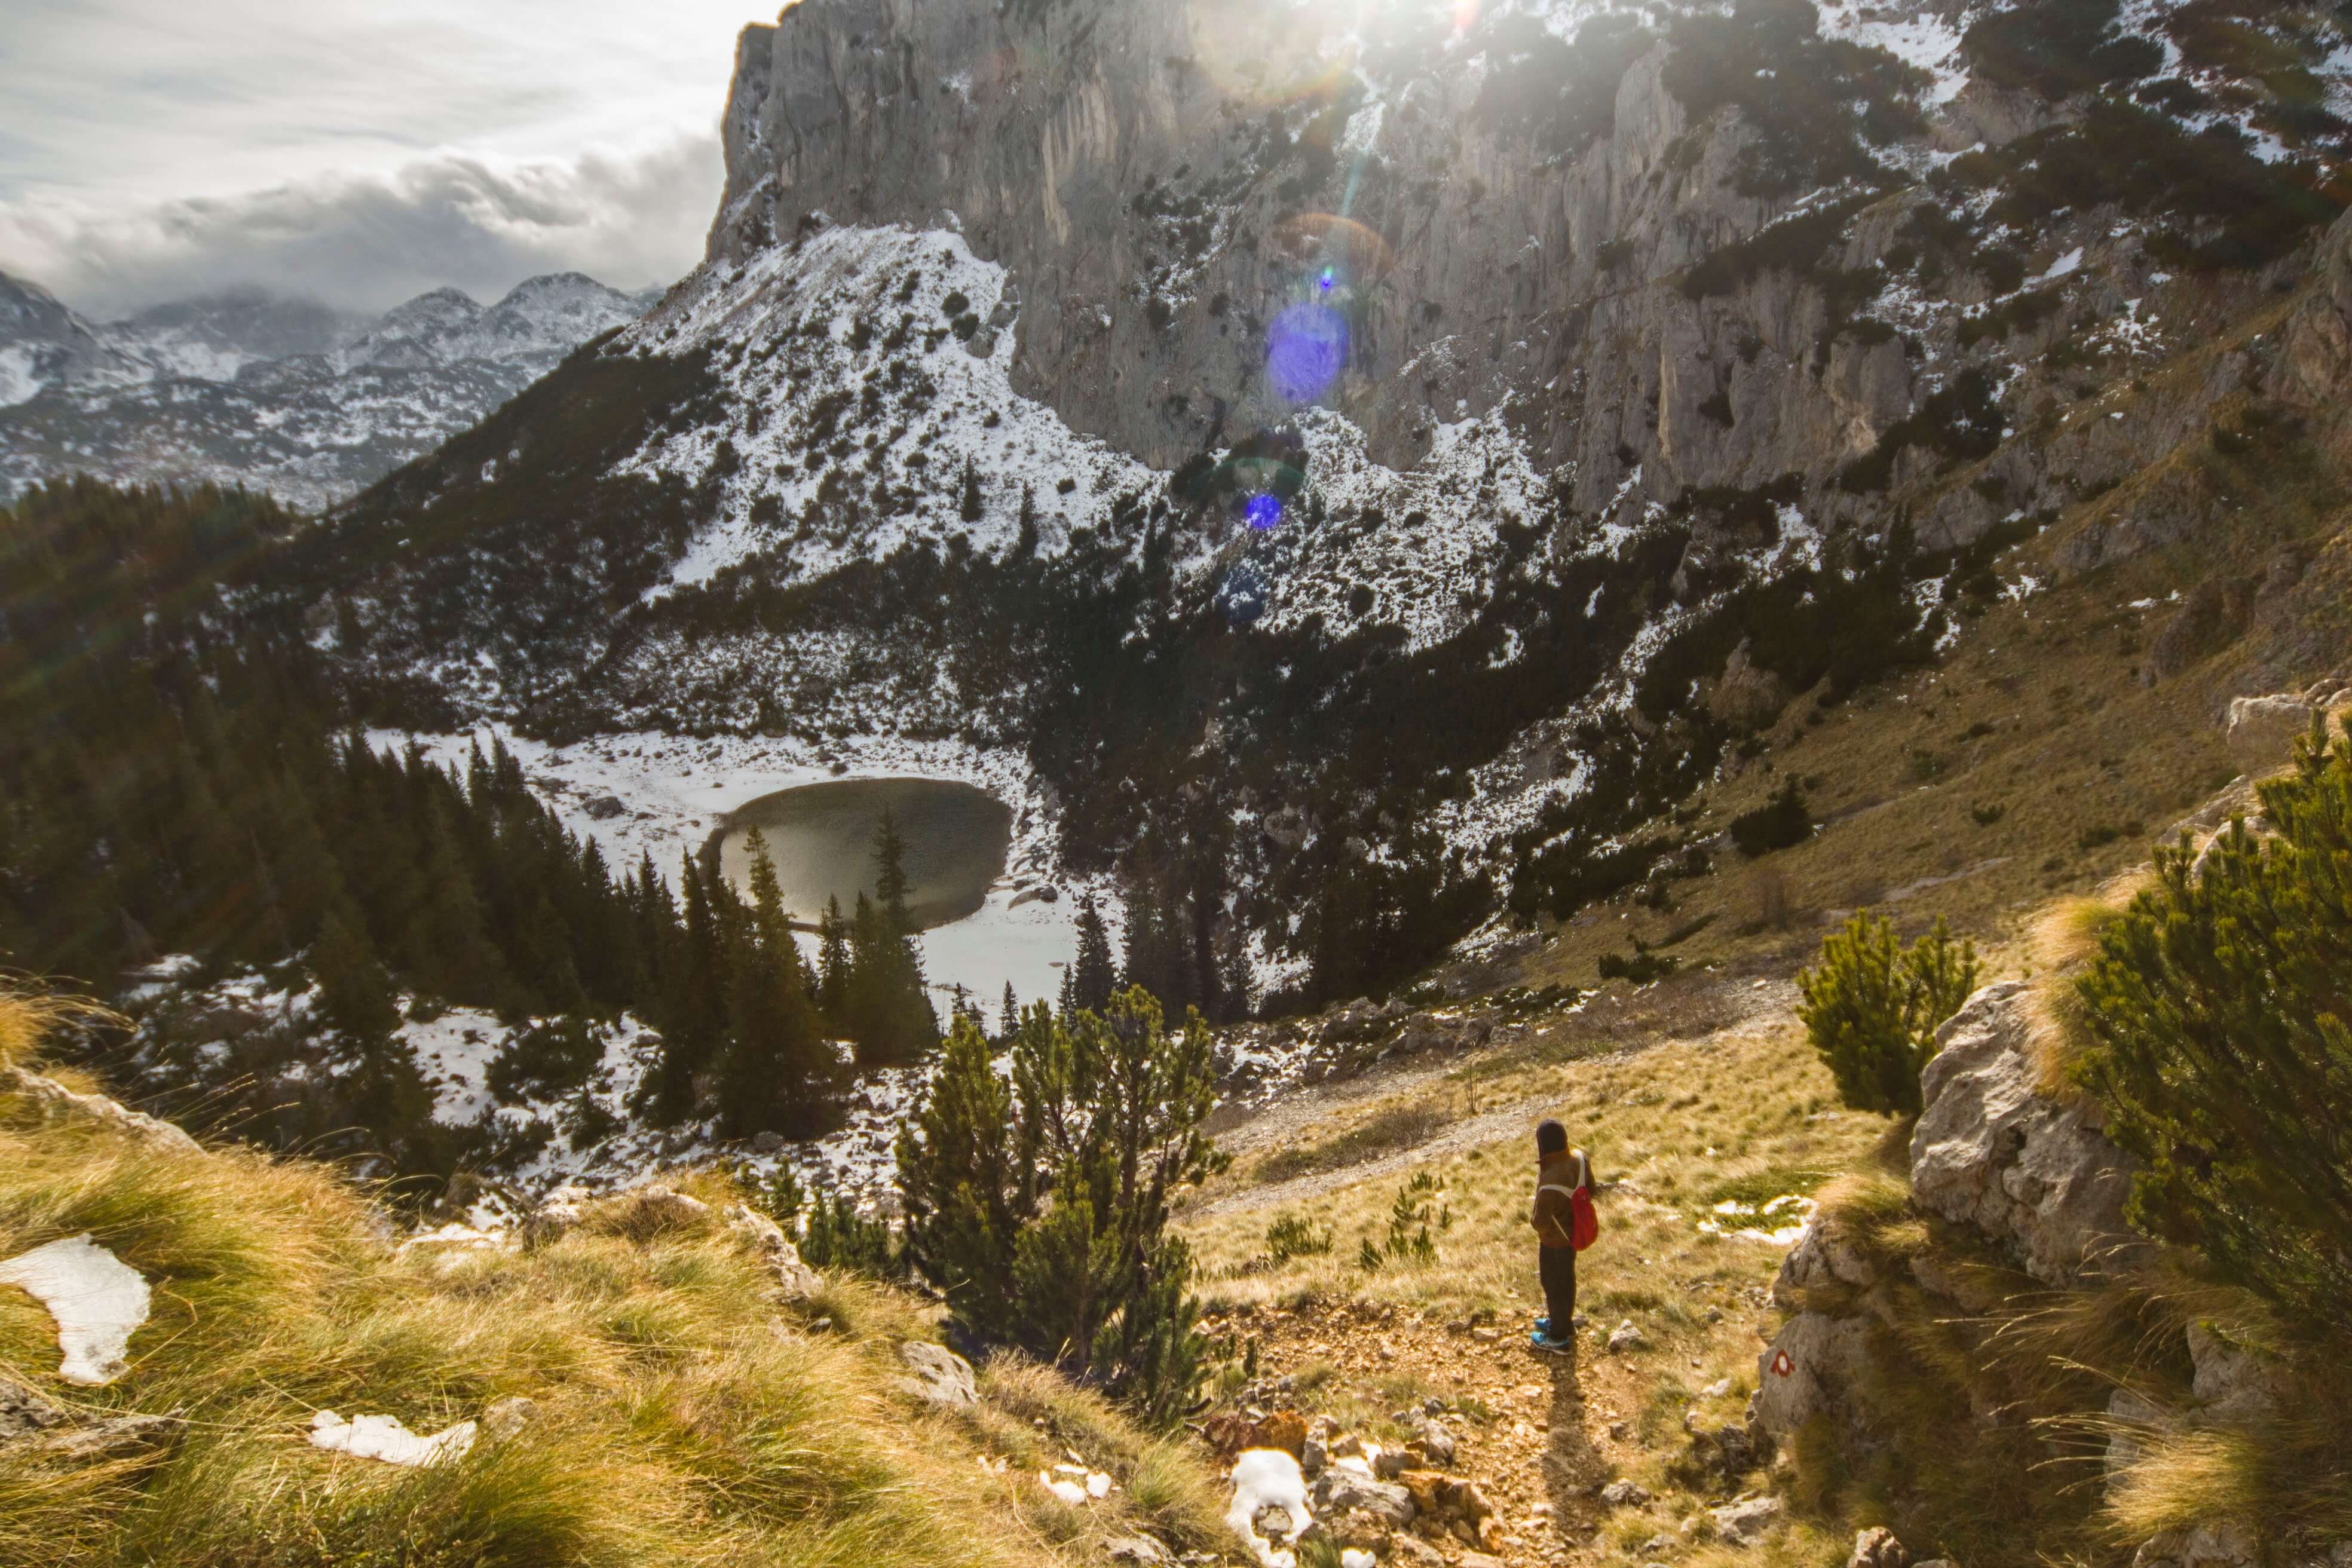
[(1573, 1470)]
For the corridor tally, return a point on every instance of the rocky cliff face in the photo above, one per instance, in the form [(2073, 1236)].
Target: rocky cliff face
[(1438, 432)]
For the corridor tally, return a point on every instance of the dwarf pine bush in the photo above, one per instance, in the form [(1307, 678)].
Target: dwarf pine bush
[(2220, 1006), (1039, 1205), (1871, 1008)]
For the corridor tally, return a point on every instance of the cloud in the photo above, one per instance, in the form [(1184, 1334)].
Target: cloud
[(367, 241)]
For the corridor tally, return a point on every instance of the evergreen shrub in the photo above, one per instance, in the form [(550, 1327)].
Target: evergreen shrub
[(1871, 1007), (2219, 1009)]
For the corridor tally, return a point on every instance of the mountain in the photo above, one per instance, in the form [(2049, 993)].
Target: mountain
[(309, 403), (1370, 477)]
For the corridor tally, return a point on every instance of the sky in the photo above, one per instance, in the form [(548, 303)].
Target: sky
[(358, 151)]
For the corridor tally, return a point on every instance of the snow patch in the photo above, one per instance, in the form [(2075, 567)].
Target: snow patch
[(98, 1302), (1268, 1477), (384, 1437)]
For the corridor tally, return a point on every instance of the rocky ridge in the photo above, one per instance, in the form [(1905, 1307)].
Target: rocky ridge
[(307, 403)]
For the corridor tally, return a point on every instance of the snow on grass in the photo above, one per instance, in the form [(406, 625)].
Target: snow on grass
[(98, 1302), (384, 1437), (1268, 1477)]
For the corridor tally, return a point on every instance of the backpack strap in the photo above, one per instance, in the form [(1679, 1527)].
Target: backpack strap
[(1563, 1192)]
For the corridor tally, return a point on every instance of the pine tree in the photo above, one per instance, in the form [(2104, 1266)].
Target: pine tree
[(2221, 1046), (1093, 978), (353, 990), (973, 508), (1871, 1008), (1008, 1014), (777, 1073), (832, 964), (1041, 1208)]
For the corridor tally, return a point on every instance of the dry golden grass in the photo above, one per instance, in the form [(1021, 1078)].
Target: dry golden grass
[(683, 1416)]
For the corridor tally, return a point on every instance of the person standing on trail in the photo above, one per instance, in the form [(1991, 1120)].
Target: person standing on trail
[(1563, 1220)]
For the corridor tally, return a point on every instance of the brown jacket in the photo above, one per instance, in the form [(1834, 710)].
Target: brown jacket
[(1559, 1174)]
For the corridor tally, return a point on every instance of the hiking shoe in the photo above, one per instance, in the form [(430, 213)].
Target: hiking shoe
[(1543, 1327), (1549, 1346)]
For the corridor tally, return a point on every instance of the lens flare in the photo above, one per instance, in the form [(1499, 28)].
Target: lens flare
[(1262, 511), (1306, 349), (1341, 247), (1465, 15), (1268, 55)]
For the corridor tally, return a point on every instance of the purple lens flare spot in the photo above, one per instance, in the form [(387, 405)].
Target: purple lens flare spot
[(1262, 511), (1306, 349)]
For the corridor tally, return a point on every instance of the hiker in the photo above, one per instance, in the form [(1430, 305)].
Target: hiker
[(1564, 1176)]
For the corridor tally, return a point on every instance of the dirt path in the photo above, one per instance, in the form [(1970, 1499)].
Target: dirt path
[(1541, 1435), (1488, 1127)]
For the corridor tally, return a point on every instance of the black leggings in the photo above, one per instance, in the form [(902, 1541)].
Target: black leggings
[(1558, 1269)]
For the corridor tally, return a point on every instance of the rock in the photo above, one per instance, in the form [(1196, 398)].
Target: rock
[(768, 1143), (1745, 697), (1392, 1464), (1437, 1443), (941, 1376), (1480, 1560), (54, 1102), (1414, 1550), (505, 1418), (1138, 1548), (1745, 1523), (795, 1280), (1341, 1492), (551, 1222), (2215, 1545), (110, 1437), (1271, 1521), (2135, 1419), (1626, 1337), (1811, 1367), (1822, 1257), (1286, 1430), (1626, 1494), (2030, 1173), (603, 808), (1877, 1548), (2234, 1382), (2262, 730), (1311, 1456)]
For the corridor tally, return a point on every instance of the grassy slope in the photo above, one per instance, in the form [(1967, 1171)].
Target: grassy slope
[(2042, 722), (683, 1416)]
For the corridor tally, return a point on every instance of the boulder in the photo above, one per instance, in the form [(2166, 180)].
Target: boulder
[(1416, 1553), (2262, 730), (2132, 1419), (795, 1280), (552, 1221), (1812, 1366), (2216, 1545), (1626, 1337), (1624, 1494), (1141, 1550), (941, 1376), (1989, 1151), (1747, 1522), (1877, 1548), (1822, 1257)]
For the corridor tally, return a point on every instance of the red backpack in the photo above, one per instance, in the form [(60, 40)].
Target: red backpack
[(1583, 1224)]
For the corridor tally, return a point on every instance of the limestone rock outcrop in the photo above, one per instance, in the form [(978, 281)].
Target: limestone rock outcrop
[(2035, 1176)]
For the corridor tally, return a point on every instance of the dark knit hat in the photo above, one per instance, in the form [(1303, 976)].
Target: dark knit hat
[(1551, 1138)]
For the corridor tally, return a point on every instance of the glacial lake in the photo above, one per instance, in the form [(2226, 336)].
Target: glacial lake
[(821, 838)]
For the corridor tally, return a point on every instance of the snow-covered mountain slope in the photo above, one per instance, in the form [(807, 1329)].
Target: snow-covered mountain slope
[(290, 396), (1372, 462)]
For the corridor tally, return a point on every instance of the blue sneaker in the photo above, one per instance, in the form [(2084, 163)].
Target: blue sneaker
[(1549, 1346), (1543, 1327)]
